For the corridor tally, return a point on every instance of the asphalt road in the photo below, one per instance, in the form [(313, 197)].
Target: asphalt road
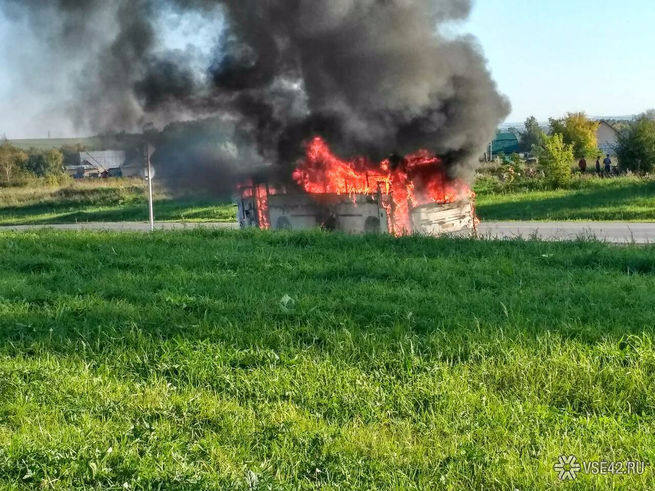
[(612, 232), (121, 226)]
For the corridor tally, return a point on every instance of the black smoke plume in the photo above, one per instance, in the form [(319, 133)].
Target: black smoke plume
[(373, 77)]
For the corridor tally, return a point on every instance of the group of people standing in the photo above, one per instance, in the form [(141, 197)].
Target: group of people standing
[(609, 170)]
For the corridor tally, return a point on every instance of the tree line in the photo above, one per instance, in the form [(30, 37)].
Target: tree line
[(20, 166)]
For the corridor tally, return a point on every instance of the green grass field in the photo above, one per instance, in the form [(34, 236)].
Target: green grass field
[(243, 360), (110, 200), (99, 142), (623, 199), (56, 143)]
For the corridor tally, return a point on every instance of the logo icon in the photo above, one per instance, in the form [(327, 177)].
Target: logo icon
[(567, 468)]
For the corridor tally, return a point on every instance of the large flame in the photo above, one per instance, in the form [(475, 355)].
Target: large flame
[(403, 183), (261, 195)]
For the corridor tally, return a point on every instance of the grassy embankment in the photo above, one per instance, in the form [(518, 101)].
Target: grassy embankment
[(590, 198), (629, 199), (105, 200), (224, 360)]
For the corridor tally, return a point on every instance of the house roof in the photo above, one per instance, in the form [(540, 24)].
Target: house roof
[(505, 142), (506, 136), (103, 160), (605, 123)]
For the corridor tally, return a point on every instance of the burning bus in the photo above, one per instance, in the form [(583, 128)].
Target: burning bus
[(400, 196)]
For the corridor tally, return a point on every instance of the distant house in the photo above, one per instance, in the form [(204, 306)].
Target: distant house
[(608, 138), (106, 163), (103, 160), (505, 142)]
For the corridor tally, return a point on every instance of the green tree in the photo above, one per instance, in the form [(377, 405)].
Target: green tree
[(11, 162), (45, 164), (533, 136), (636, 146), (579, 131), (556, 157)]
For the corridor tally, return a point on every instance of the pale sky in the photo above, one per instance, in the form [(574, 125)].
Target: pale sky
[(549, 58), (554, 56)]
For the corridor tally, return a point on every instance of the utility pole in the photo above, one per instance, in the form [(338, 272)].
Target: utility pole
[(150, 204), (148, 130)]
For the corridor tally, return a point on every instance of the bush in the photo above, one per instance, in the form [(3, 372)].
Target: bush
[(636, 146), (45, 164), (556, 158), (12, 161), (511, 169)]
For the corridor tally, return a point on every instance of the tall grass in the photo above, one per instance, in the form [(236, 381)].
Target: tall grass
[(97, 200), (214, 360), (84, 191)]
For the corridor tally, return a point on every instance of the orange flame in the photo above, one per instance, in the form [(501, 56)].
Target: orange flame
[(404, 184), (261, 195)]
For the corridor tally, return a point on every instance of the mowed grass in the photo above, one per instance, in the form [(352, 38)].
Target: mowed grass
[(105, 200), (242, 360), (623, 199)]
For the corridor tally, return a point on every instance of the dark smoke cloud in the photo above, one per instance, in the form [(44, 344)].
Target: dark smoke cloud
[(373, 77)]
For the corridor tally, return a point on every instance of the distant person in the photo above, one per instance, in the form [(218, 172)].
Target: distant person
[(583, 165), (608, 165), (598, 170)]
